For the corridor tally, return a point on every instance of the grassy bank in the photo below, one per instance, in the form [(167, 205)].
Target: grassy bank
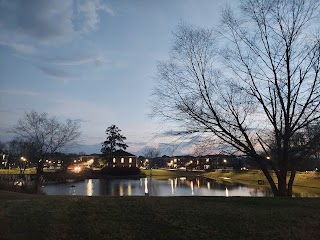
[(17, 171), (65, 217), (304, 182), (164, 173)]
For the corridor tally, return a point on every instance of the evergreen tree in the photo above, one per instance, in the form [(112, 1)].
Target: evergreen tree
[(114, 142)]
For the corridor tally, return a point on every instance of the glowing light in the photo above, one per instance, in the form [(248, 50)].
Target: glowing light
[(114, 160), (227, 192), (77, 169), (130, 160), (122, 160)]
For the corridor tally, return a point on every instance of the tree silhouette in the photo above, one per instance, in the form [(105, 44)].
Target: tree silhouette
[(114, 142), (254, 85), (45, 135)]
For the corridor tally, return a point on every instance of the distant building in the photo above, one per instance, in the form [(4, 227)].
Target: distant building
[(123, 159)]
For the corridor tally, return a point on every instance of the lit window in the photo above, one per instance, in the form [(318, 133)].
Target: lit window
[(130, 160), (122, 160), (129, 165), (114, 160)]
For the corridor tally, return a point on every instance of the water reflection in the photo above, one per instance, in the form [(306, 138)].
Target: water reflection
[(154, 187), (89, 187), (146, 190)]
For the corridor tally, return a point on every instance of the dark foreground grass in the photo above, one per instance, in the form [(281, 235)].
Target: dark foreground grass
[(66, 217)]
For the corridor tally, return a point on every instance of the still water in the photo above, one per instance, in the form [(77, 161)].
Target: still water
[(154, 187)]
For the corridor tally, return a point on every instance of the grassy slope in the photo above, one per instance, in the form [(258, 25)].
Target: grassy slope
[(159, 218)]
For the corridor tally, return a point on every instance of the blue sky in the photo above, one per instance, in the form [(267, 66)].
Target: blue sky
[(92, 60)]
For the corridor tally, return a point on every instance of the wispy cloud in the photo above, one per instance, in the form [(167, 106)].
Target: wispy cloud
[(57, 73), (73, 61), (18, 47), (88, 12)]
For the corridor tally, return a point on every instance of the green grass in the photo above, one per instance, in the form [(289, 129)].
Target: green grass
[(70, 217), (17, 171)]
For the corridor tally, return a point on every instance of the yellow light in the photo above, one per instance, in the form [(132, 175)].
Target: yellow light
[(77, 169)]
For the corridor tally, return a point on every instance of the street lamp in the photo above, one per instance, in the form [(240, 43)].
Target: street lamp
[(24, 165), (224, 163)]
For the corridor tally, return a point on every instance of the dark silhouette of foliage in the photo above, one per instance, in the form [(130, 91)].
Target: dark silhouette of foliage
[(114, 141)]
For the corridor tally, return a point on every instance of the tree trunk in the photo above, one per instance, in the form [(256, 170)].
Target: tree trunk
[(271, 182), (282, 184), (39, 173), (290, 183)]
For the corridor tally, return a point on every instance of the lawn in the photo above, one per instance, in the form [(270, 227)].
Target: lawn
[(70, 217), (17, 171)]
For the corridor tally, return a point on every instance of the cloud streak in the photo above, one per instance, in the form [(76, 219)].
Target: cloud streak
[(74, 61), (57, 73)]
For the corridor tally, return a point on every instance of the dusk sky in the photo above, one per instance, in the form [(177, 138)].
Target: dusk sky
[(90, 60)]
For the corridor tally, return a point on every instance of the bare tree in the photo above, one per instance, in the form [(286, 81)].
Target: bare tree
[(151, 152), (254, 88), (46, 135), (20, 152)]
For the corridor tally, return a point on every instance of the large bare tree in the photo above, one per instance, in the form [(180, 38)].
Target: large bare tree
[(151, 152), (46, 135), (255, 84)]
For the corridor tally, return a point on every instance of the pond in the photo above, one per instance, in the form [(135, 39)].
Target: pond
[(194, 186)]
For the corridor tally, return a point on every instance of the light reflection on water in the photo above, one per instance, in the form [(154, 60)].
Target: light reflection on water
[(154, 187)]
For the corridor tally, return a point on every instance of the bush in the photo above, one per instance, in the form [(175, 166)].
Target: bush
[(121, 171)]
